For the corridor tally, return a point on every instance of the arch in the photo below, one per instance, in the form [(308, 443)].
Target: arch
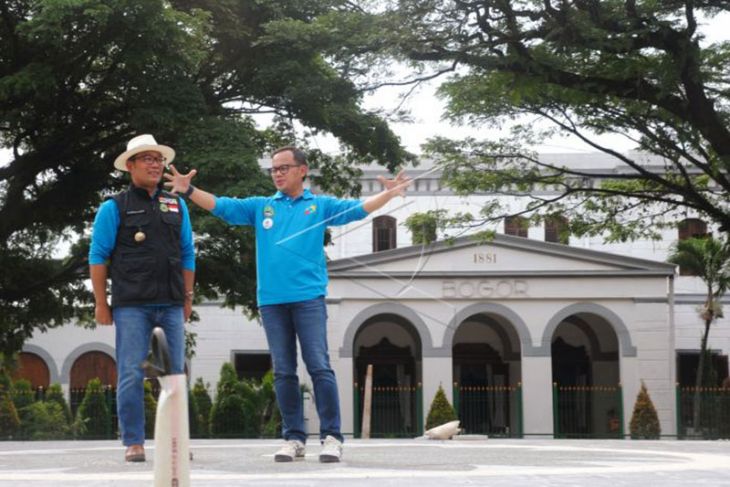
[(79, 351), (627, 348), (427, 349), (46, 357), (489, 308)]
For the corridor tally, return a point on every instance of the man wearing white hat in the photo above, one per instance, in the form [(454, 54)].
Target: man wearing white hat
[(143, 239)]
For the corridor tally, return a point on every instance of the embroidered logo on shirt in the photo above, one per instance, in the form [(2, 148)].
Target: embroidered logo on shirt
[(268, 211), (310, 209)]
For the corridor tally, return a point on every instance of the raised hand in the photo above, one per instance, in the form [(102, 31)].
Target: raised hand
[(397, 185), (176, 182)]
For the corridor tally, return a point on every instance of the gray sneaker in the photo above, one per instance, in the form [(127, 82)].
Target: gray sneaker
[(289, 451), (331, 450)]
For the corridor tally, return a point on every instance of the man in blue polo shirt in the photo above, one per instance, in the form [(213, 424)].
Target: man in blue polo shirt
[(292, 282), (143, 239)]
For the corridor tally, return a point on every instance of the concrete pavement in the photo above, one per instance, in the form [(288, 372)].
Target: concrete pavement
[(422, 463)]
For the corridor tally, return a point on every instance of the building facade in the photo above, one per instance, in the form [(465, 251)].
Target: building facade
[(530, 333)]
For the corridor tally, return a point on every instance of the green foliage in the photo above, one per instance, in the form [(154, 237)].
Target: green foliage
[(46, 420), (93, 418), (243, 408), (150, 410), (440, 411), (709, 259), (193, 417), (9, 419), (644, 420), (204, 405), (55, 394), (423, 226), (23, 394), (79, 78), (642, 73)]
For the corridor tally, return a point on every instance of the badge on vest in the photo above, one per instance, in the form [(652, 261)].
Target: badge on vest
[(267, 223), (168, 204)]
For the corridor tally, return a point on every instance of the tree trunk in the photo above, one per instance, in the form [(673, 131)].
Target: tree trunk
[(700, 370)]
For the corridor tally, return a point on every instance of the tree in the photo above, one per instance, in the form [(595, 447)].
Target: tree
[(644, 420), (709, 259), (78, 79), (639, 69), (93, 418), (441, 412), (204, 404)]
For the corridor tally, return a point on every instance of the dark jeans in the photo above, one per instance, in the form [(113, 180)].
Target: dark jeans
[(307, 320)]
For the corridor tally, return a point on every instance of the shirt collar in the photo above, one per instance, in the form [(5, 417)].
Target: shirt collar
[(306, 195), (143, 192)]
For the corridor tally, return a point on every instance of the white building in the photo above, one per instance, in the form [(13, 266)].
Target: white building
[(499, 322)]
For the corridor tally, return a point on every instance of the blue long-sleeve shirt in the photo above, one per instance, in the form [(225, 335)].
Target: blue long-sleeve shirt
[(290, 259), (106, 225)]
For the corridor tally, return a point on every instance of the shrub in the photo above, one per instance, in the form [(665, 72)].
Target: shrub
[(46, 421), (9, 419), (150, 410), (644, 420), (23, 396), (441, 411), (204, 404), (193, 416), (226, 415), (55, 394), (93, 419)]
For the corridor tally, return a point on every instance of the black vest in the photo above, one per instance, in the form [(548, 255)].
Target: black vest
[(145, 265)]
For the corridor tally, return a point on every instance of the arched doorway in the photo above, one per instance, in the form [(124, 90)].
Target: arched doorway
[(585, 372), (33, 368), (487, 374), (391, 344), (92, 365)]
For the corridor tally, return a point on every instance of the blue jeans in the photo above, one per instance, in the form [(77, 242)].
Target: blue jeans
[(134, 326), (307, 320)]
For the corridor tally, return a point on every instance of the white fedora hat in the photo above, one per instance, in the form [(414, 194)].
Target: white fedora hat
[(143, 143)]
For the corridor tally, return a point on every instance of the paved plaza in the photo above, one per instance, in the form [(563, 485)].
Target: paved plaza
[(423, 463)]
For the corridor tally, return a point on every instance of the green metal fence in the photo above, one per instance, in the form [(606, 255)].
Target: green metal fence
[(490, 410), (714, 417), (396, 412), (588, 411)]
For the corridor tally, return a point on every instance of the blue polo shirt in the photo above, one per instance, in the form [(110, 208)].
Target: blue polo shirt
[(290, 259)]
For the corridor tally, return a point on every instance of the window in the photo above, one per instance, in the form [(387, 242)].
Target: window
[(516, 225), (556, 229), (251, 365), (687, 362), (384, 228), (691, 227)]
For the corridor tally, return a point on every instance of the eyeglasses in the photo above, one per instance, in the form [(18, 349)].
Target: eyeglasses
[(283, 169), (150, 159)]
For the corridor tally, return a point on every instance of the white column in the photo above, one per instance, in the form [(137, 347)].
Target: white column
[(437, 371), (343, 371), (537, 395)]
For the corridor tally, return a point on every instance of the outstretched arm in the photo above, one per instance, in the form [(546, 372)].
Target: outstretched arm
[(180, 183), (393, 187)]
